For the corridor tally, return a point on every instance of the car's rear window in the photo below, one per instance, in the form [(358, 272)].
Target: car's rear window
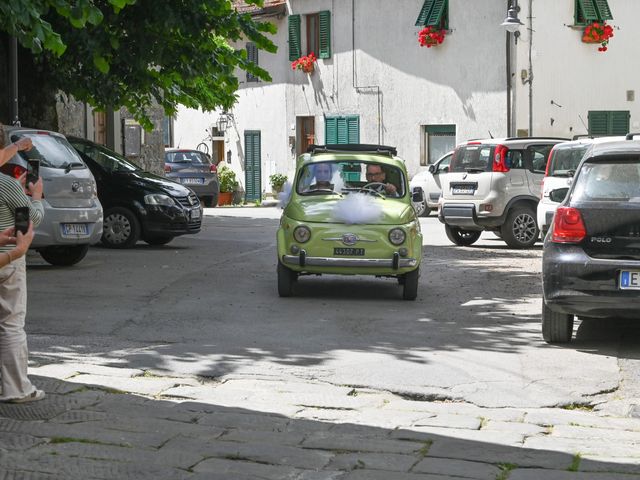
[(186, 157), (565, 160), (472, 158), (52, 151), (616, 180)]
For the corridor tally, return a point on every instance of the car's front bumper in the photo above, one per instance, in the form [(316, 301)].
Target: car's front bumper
[(395, 263), (171, 221), (577, 284)]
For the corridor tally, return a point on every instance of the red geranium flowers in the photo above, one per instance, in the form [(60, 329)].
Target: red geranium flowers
[(598, 32), (304, 63), (430, 36)]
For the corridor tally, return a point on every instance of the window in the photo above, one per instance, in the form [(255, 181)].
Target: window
[(167, 131), (318, 35), (539, 154), (587, 11), (436, 141), (434, 13), (252, 56), (604, 122), (342, 130)]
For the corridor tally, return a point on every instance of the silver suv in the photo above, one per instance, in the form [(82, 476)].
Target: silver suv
[(494, 185)]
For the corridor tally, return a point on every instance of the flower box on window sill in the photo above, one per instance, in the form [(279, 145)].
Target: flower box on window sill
[(306, 63), (598, 32), (431, 37)]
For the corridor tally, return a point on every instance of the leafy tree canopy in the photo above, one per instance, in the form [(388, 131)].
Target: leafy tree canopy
[(115, 53)]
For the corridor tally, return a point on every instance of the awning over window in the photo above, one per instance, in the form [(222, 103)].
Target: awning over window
[(431, 13)]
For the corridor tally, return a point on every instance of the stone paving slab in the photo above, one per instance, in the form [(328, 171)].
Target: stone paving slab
[(458, 468)]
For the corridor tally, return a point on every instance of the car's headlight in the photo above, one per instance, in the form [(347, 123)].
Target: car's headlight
[(397, 236), (159, 199), (302, 234)]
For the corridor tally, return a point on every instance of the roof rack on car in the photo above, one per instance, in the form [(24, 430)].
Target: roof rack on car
[(353, 147), (582, 135), (630, 136), (537, 138)]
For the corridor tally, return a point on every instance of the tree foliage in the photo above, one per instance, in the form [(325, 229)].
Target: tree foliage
[(115, 53)]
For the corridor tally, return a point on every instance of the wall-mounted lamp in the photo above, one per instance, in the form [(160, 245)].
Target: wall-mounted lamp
[(512, 23), (223, 121)]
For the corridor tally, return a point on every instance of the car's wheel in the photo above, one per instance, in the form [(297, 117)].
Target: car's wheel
[(410, 286), (556, 327), (461, 237), (158, 239), (521, 228), (121, 228), (210, 202), (64, 256), (286, 279)]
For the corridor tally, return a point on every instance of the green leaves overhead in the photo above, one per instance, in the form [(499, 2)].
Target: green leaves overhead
[(132, 53)]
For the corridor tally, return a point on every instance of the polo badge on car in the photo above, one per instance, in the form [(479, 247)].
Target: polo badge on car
[(75, 186), (349, 239)]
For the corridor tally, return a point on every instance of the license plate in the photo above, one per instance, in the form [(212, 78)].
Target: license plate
[(463, 191), (630, 280), (195, 214), (359, 252), (193, 180), (75, 229)]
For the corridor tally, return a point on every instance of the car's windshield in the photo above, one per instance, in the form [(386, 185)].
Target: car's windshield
[(186, 156), (617, 181), (565, 160), (472, 158), (105, 158), (344, 177), (52, 151)]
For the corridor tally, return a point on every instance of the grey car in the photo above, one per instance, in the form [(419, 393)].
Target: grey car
[(193, 169), (72, 212)]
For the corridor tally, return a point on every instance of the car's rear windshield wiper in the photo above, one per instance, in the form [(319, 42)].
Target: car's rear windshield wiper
[(475, 170), (71, 165)]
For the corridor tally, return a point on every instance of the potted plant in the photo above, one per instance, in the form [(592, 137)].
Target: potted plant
[(598, 32), (277, 181), (305, 63), (228, 184), (431, 36)]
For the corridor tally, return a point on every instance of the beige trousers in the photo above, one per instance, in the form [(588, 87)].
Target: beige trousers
[(14, 354)]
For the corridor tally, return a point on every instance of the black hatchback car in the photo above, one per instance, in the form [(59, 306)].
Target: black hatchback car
[(138, 204), (591, 256)]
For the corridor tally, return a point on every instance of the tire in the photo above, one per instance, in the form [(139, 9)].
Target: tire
[(64, 256), (159, 239), (121, 228), (556, 327), (460, 237), (210, 202), (521, 228), (286, 279), (410, 286)]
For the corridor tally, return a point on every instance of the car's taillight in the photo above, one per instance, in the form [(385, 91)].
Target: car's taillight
[(167, 169), (213, 169), (500, 159), (568, 226), (546, 170), (17, 170)]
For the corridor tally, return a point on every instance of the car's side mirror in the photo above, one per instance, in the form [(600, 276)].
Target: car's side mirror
[(417, 196), (432, 169), (558, 195)]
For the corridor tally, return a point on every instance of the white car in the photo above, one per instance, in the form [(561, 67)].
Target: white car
[(430, 181), (563, 162)]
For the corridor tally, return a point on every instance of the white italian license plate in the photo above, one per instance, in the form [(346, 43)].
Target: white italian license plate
[(463, 191), (193, 181), (75, 229), (630, 280), (195, 214)]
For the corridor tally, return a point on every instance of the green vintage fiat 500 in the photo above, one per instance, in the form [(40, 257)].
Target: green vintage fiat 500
[(349, 212)]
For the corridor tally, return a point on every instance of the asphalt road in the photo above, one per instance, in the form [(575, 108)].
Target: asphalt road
[(207, 305)]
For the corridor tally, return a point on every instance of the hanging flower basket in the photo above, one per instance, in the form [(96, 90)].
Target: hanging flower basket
[(306, 63), (431, 36), (598, 32)]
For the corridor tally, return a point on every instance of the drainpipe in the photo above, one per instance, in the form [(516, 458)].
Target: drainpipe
[(361, 88), (530, 78), (13, 61), (508, 55)]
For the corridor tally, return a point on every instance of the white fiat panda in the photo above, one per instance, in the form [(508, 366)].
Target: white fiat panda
[(72, 212)]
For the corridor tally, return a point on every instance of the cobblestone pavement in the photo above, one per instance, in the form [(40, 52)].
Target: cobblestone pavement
[(102, 422)]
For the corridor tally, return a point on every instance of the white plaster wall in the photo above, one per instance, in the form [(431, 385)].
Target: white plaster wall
[(574, 74)]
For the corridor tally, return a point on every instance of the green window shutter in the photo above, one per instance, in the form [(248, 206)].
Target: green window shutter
[(252, 56), (435, 17), (331, 130), (353, 129), (598, 122), (619, 122), (343, 134), (325, 34), (604, 12), (294, 38), (427, 6), (588, 10)]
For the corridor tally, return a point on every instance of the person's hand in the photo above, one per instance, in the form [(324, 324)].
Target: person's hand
[(24, 143), (23, 181), (390, 188), (35, 189), (7, 237), (23, 240)]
